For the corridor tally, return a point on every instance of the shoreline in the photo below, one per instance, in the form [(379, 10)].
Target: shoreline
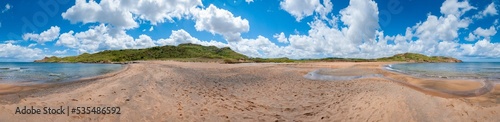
[(183, 91), (12, 88), (442, 91)]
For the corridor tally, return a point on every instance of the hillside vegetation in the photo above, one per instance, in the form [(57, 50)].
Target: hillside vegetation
[(414, 57), (183, 52), (199, 53)]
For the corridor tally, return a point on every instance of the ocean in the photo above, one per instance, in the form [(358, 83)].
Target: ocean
[(36, 73), (466, 70)]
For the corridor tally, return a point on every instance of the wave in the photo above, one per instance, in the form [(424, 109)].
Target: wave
[(12, 68)]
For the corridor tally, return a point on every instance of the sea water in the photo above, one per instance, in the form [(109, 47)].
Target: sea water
[(28, 72), (467, 70)]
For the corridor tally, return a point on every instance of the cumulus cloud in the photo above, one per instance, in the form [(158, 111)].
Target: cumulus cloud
[(361, 17), (259, 47), (60, 52), (160, 11), (443, 28), (181, 36), (304, 8), (68, 40), (144, 41), (281, 37), (102, 37), (453, 7), (220, 21), (482, 48), (46, 36), (471, 37), (486, 33), (107, 11), (122, 13), (490, 10), (10, 52), (361, 37)]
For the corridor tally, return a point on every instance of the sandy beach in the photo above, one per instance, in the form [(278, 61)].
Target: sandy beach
[(180, 91)]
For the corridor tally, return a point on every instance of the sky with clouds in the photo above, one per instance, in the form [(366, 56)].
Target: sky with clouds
[(33, 29)]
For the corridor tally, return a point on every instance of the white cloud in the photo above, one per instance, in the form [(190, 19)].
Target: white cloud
[(259, 47), (435, 36), (181, 36), (453, 7), (7, 7), (443, 28), (159, 11), (122, 13), (102, 37), (323, 40), (486, 33), (10, 52), (220, 21), (471, 37), (68, 40), (107, 11), (281, 37), (482, 48), (151, 29), (46, 36), (248, 1), (10, 41), (144, 41), (490, 10), (59, 52), (361, 17), (31, 45), (304, 8)]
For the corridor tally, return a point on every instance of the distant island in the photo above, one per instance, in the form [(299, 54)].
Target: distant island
[(198, 53)]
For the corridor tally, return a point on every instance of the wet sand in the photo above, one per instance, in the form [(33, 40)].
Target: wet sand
[(176, 91)]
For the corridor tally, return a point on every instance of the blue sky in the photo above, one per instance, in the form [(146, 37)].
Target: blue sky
[(259, 28)]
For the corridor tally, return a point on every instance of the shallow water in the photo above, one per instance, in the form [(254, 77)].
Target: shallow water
[(449, 70), (352, 73), (343, 74), (29, 73)]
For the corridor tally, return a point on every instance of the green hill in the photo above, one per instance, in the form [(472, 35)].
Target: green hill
[(188, 52), (199, 53), (414, 57)]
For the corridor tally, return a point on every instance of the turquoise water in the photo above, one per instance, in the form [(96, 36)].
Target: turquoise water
[(28, 72), (449, 70)]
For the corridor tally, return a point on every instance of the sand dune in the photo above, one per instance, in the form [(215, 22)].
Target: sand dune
[(175, 91)]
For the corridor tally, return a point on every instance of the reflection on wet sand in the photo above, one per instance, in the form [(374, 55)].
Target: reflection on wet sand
[(434, 86)]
